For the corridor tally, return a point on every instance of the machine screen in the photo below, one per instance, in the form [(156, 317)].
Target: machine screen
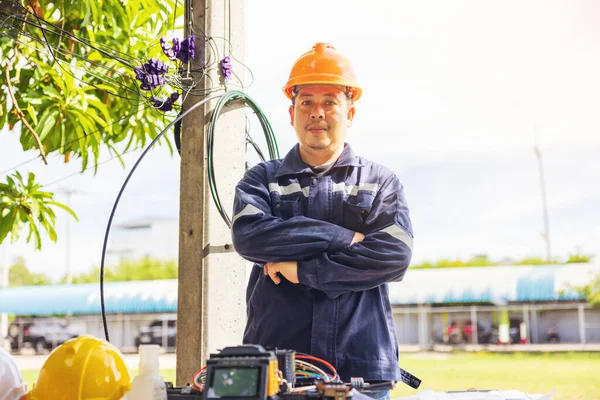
[(234, 382)]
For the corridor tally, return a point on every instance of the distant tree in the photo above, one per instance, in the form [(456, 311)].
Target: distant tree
[(591, 291), (484, 261), (132, 270), (424, 264), (534, 261), (477, 261), (19, 275), (579, 258)]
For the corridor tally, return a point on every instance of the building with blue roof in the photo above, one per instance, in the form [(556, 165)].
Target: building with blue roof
[(425, 304)]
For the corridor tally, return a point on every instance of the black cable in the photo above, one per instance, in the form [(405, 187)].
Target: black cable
[(256, 148), (116, 156), (177, 136), (58, 61), (114, 209), (86, 134), (91, 44), (54, 51)]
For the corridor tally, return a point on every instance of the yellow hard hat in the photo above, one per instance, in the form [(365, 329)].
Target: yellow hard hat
[(83, 368)]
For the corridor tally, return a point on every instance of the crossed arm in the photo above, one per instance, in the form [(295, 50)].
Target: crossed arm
[(289, 269), (320, 254)]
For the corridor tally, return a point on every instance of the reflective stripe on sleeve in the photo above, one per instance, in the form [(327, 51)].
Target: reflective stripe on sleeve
[(400, 234), (248, 210)]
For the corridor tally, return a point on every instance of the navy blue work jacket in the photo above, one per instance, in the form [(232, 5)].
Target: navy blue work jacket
[(341, 310)]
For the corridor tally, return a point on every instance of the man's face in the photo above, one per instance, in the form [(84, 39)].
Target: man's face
[(321, 114)]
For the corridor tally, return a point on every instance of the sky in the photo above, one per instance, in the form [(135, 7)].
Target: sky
[(456, 95)]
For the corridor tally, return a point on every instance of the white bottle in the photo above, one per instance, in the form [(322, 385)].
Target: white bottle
[(148, 384)]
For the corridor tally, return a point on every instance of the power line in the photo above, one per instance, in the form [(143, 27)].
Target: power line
[(86, 134), (116, 156)]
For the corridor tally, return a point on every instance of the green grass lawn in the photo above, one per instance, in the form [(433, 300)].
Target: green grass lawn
[(570, 375)]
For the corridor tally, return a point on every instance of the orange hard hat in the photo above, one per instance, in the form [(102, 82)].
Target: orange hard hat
[(323, 64)]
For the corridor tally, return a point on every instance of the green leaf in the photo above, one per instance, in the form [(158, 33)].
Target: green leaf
[(10, 180), (33, 230), (60, 81), (35, 209), (50, 214), (6, 225), (116, 153), (30, 179), (47, 122), (48, 227), (63, 138), (32, 113), (51, 92), (64, 207)]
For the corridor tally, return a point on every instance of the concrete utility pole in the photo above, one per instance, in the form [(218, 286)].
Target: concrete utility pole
[(211, 306), (546, 233)]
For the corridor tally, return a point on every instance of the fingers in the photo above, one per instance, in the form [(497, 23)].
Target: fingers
[(358, 237), (272, 270)]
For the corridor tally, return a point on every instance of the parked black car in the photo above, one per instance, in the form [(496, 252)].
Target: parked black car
[(153, 333), (41, 335)]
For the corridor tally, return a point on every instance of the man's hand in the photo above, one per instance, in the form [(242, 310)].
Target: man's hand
[(289, 269), (358, 237)]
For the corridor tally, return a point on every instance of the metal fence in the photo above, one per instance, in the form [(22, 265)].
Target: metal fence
[(420, 326), (426, 326), (126, 331)]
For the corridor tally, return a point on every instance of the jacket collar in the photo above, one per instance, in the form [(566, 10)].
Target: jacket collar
[(293, 164)]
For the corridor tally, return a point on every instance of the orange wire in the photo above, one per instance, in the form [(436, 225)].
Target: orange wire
[(319, 360), (199, 370), (194, 379)]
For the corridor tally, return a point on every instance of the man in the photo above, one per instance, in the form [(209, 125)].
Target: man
[(327, 231)]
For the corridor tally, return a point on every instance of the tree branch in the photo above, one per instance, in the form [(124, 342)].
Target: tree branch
[(19, 113)]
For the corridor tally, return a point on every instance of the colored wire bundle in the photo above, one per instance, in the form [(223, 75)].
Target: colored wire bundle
[(305, 359), (199, 379), (306, 369)]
